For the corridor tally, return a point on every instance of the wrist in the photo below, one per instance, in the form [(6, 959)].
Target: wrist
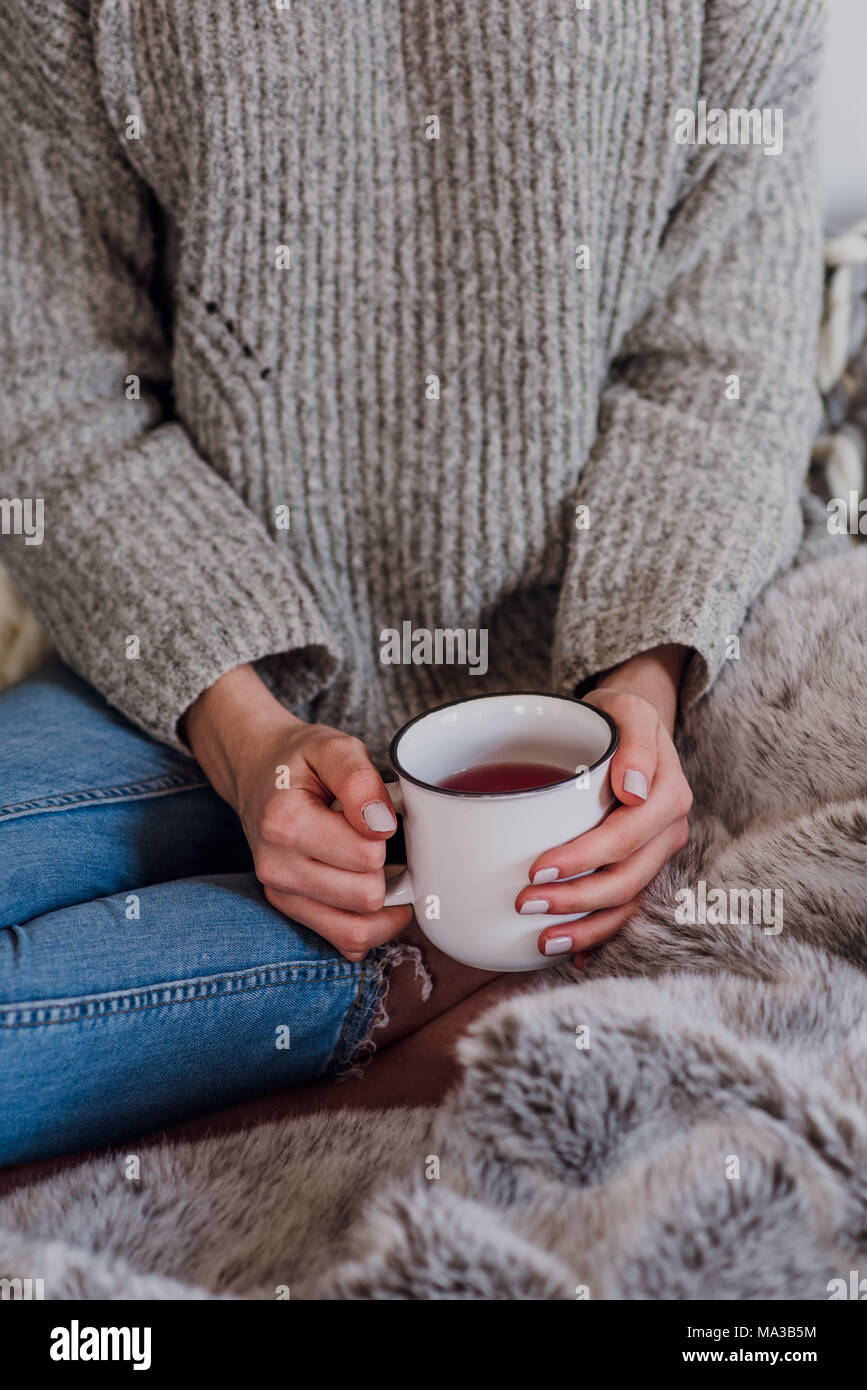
[(655, 675), (232, 717)]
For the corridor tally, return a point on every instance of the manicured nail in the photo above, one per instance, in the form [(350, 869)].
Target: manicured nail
[(377, 816), (545, 876), (558, 945), (534, 905), (636, 783)]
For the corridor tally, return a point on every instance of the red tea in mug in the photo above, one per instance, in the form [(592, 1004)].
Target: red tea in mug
[(505, 777)]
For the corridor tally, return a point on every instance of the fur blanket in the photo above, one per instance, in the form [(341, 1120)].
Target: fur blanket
[(688, 1119)]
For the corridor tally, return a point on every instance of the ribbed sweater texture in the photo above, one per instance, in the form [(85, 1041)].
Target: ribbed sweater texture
[(322, 317)]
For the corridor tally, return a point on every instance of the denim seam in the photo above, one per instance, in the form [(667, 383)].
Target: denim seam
[(291, 972), (365, 1014), (350, 1012), (163, 785)]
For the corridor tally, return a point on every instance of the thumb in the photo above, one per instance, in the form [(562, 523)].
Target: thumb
[(344, 766), (634, 764)]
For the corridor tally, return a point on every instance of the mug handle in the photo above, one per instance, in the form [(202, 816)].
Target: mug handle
[(399, 890)]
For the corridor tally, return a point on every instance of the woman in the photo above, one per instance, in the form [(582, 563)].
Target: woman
[(318, 320)]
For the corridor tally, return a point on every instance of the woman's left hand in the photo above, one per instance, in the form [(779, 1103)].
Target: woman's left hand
[(631, 845)]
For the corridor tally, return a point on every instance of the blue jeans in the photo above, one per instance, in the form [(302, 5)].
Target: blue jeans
[(143, 976)]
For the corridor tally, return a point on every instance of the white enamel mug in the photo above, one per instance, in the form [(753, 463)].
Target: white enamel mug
[(469, 853)]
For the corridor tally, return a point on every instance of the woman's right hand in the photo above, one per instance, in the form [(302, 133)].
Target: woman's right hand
[(319, 867)]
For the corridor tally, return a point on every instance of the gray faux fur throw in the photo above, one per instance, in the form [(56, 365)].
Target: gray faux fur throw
[(687, 1120)]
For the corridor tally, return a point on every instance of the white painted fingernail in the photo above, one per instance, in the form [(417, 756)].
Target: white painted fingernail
[(377, 816), (545, 876), (636, 783), (558, 945), (534, 905)]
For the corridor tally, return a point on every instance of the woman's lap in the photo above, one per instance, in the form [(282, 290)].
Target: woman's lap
[(91, 805), (137, 984)]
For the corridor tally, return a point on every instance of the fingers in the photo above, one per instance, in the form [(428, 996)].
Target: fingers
[(613, 886), (295, 822), (626, 830), (581, 937), (634, 763), (618, 858), (324, 867), (607, 869), (285, 871), (343, 765), (353, 934)]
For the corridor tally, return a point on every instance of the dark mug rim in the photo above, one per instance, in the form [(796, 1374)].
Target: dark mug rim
[(401, 771)]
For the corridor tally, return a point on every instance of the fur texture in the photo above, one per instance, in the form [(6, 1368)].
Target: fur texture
[(708, 1141)]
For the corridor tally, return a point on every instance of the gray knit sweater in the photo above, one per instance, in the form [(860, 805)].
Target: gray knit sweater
[(318, 319)]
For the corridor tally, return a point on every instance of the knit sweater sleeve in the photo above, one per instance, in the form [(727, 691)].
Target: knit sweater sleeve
[(704, 429), (153, 577)]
